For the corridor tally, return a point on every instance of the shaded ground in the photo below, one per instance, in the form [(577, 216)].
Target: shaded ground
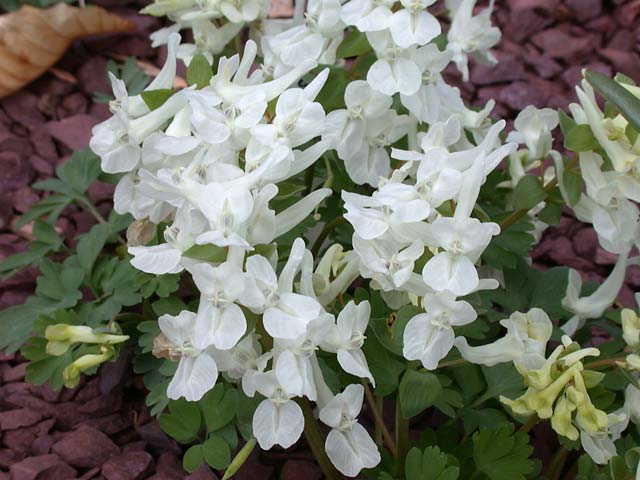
[(102, 429)]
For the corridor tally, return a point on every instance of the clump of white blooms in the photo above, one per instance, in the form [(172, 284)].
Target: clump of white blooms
[(210, 162)]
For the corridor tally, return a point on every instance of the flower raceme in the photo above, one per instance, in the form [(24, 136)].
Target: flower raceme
[(218, 167)]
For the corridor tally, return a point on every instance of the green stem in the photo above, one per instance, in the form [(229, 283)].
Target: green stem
[(378, 431), (381, 428), (316, 441), (532, 422), (606, 362), (90, 208), (554, 468), (402, 439)]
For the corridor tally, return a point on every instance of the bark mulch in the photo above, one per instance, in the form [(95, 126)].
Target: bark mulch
[(102, 429)]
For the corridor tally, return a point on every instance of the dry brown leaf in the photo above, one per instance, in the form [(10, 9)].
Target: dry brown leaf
[(32, 39)]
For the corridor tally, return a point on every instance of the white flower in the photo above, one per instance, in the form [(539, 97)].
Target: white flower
[(197, 371), (524, 343), (606, 204), (371, 161), (346, 129), (230, 82), (462, 242), (316, 40), (395, 70), (632, 403), (428, 337), (293, 358), (461, 238), (367, 15), (278, 420), (631, 325), (621, 156), (600, 446), (220, 322), (348, 445), (298, 118), (533, 128), (413, 25), (594, 305), (117, 140), (227, 208), (371, 218), (347, 337), (385, 261), (166, 257), (471, 35), (238, 361), (286, 315)]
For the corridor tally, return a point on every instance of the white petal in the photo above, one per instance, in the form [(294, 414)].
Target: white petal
[(157, 259), (194, 377), (354, 362), (231, 328), (351, 451), (277, 425), (448, 272)]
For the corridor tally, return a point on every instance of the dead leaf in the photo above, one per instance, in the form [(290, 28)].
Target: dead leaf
[(32, 40)]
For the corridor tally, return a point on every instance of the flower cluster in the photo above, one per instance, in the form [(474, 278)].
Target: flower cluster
[(211, 162)]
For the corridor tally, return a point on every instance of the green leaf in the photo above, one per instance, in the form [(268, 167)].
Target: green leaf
[(15, 325), (216, 452), (219, 407), (199, 72), (354, 44), (82, 169), (475, 418), (623, 99), (528, 193), (193, 458), (51, 206), (183, 421), (430, 465), (91, 244), (573, 184), (580, 139), (551, 213), (45, 233), (502, 454), (384, 366), (418, 391), (331, 96), (566, 122), (156, 98), (502, 379)]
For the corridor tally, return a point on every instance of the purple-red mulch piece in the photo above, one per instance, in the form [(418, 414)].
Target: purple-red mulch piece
[(102, 429)]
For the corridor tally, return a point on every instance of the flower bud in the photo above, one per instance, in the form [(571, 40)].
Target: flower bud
[(62, 336), (71, 373)]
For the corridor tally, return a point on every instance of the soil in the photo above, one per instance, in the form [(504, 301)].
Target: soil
[(102, 429)]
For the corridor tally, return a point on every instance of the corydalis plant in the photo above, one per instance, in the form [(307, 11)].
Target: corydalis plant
[(424, 215)]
